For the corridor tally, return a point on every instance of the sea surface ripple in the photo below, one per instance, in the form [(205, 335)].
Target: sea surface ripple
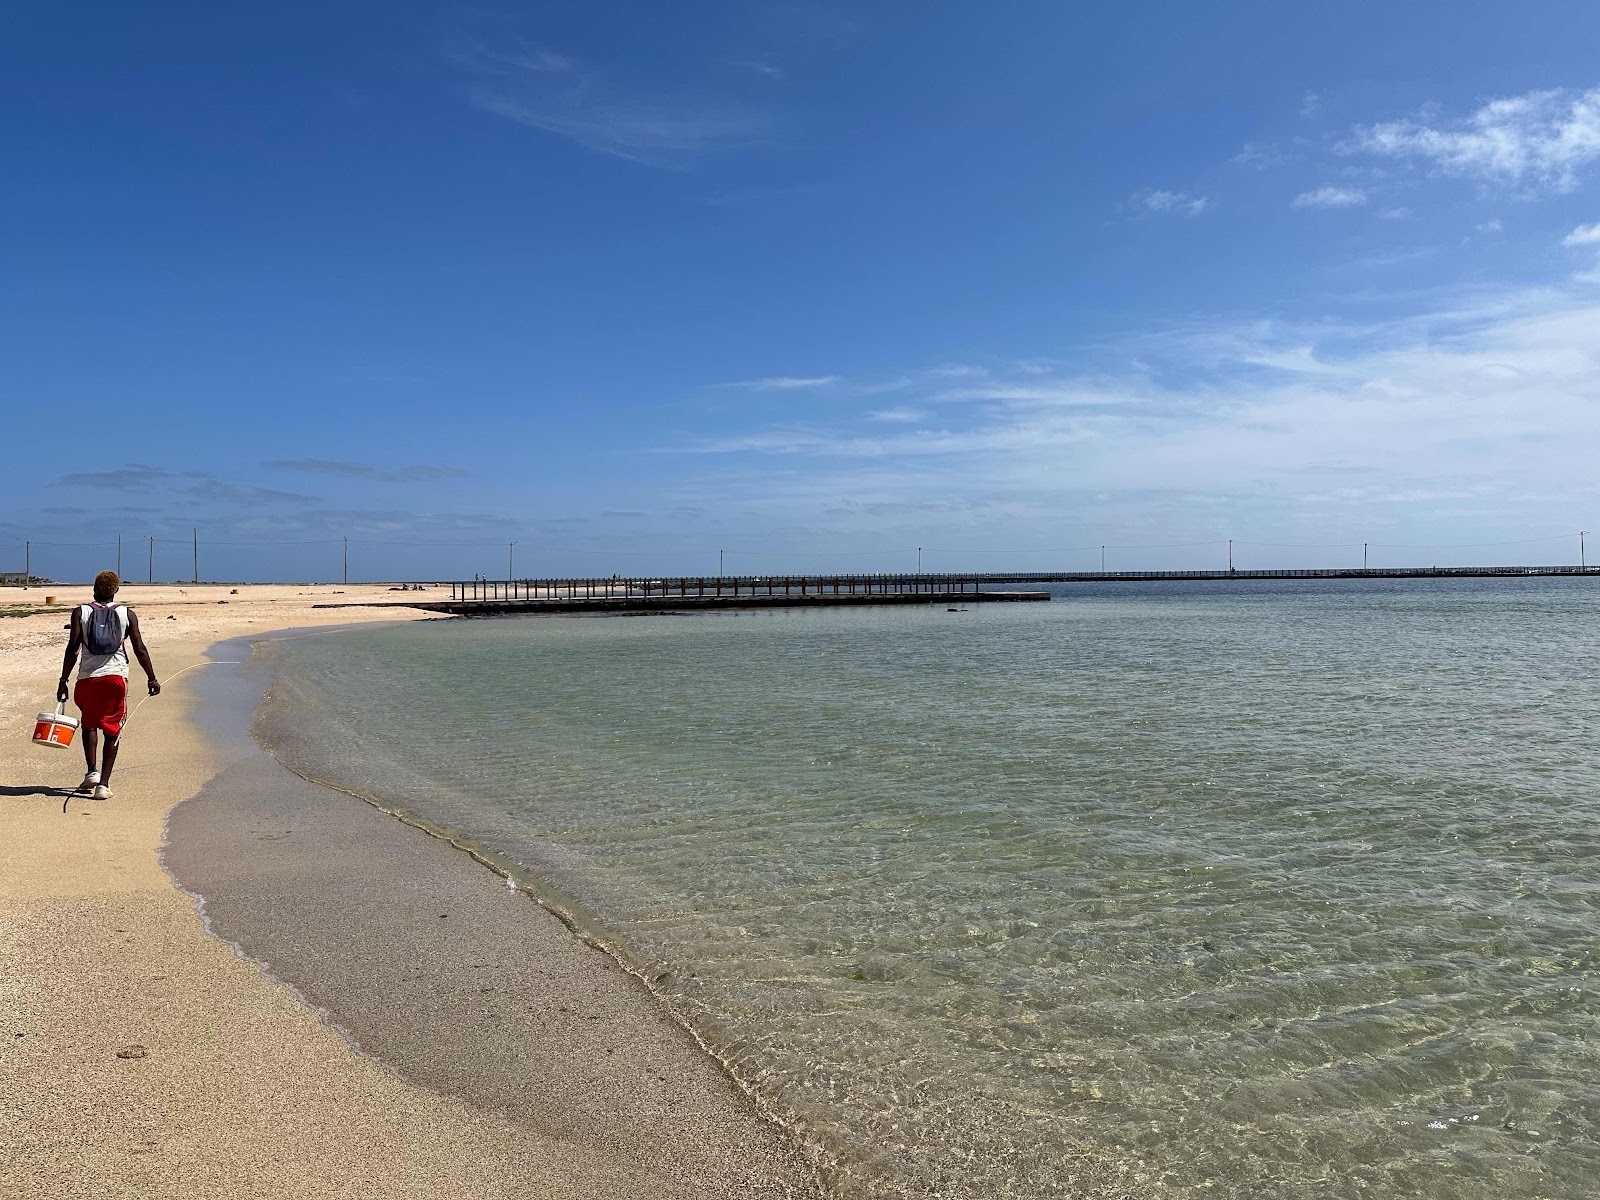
[(1223, 890)]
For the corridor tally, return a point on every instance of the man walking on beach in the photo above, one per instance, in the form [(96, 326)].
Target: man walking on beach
[(102, 630)]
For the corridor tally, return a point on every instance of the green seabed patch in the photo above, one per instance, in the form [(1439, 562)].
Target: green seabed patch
[(22, 610)]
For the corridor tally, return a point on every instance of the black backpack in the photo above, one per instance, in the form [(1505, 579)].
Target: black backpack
[(102, 632)]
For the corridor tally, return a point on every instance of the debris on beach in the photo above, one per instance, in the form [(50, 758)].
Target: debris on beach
[(133, 1051)]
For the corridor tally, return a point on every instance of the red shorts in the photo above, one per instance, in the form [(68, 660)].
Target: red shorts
[(103, 701)]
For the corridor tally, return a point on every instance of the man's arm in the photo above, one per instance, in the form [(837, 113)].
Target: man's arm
[(70, 658), (142, 654)]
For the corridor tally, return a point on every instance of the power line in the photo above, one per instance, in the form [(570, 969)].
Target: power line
[(817, 553), (531, 545), (311, 542), (71, 545), (1304, 545), (879, 552), (1554, 537), (1082, 549)]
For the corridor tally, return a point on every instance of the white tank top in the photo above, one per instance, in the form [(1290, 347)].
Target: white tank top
[(92, 666)]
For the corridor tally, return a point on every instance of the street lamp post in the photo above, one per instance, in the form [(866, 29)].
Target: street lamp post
[(511, 558)]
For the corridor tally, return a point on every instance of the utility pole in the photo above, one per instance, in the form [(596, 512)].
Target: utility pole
[(719, 564), (1583, 557), (150, 563), (27, 564), (919, 560), (195, 535), (511, 558), (119, 556), (1102, 560), (346, 542), (1363, 556), (1230, 555)]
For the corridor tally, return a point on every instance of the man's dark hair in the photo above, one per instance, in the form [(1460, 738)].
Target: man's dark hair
[(106, 584)]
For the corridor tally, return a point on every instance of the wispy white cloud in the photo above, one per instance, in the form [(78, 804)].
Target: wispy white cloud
[(1450, 416), (416, 473), (526, 59), (1541, 139), (1169, 202), (1331, 197), (178, 486), (901, 415), (1588, 237), (758, 66), (1389, 256), (1492, 225), (141, 478), (1311, 104), (1070, 394), (885, 387), (1259, 156), (217, 491), (136, 477), (550, 92), (784, 383), (643, 132)]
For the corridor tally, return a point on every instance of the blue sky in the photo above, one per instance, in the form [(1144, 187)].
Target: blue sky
[(813, 284)]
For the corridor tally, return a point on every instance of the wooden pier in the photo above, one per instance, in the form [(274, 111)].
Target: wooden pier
[(489, 597), (494, 597)]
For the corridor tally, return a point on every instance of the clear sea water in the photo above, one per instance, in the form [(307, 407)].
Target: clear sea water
[(1247, 890)]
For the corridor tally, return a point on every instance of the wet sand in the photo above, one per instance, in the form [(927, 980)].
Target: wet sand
[(142, 1056)]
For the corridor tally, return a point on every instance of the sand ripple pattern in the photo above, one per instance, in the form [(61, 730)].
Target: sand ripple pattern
[(1223, 891)]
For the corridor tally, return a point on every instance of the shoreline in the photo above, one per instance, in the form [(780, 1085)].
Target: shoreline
[(535, 887), (233, 1084), (348, 881)]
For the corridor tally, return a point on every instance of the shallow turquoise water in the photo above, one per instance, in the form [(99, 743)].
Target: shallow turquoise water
[(1216, 890)]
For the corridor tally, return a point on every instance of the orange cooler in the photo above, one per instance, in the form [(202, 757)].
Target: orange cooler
[(55, 729)]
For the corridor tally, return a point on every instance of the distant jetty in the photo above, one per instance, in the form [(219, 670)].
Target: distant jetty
[(492, 597), (1311, 573), (497, 597)]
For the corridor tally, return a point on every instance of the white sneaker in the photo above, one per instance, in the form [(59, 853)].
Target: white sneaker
[(89, 780), (101, 792)]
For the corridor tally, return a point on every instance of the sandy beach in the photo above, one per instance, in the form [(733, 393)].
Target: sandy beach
[(143, 1055)]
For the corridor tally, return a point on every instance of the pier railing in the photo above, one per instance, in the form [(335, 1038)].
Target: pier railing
[(700, 586)]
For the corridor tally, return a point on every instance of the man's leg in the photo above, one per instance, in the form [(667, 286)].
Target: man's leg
[(91, 749), (111, 758)]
